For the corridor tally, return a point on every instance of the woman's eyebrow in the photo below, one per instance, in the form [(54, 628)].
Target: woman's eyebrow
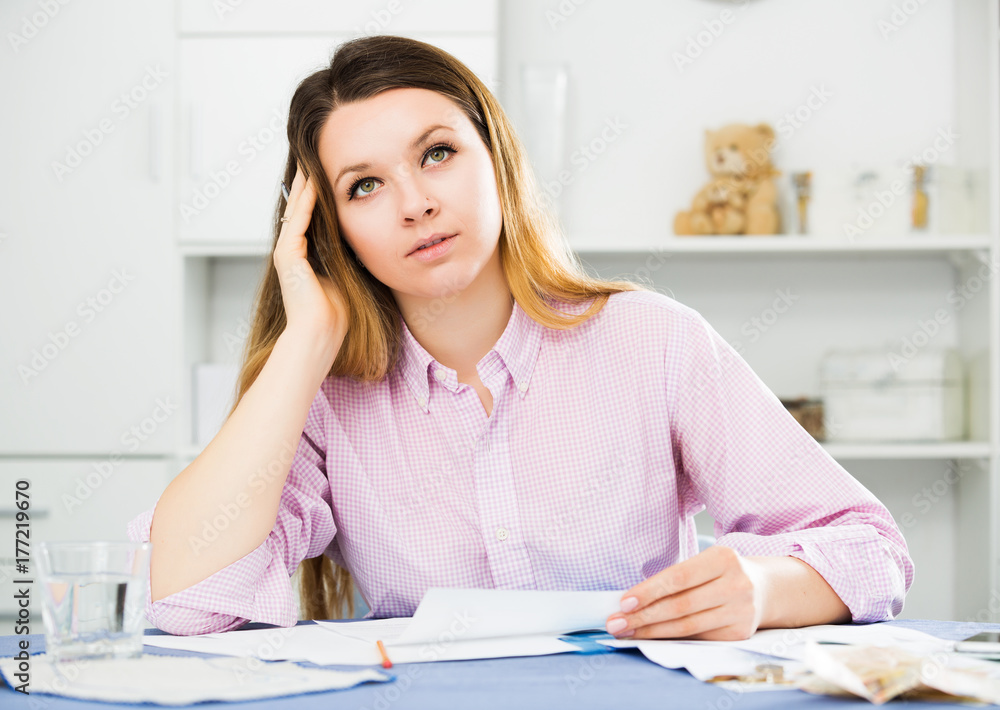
[(416, 142)]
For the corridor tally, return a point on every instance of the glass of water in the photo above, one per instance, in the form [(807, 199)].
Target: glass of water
[(93, 598)]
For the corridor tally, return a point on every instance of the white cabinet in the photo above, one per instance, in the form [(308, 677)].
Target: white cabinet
[(87, 270), (363, 17), (234, 94)]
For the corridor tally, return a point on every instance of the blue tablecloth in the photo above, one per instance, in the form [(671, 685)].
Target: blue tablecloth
[(623, 679)]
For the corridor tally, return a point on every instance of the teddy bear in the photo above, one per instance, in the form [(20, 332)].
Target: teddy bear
[(741, 197)]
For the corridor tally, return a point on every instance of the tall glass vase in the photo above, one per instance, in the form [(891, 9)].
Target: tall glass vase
[(543, 93)]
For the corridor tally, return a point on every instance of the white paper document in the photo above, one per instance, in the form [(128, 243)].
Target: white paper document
[(470, 614), (155, 679), (449, 625), (786, 647)]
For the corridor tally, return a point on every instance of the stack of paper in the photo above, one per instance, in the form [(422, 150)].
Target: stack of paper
[(461, 624), (449, 625)]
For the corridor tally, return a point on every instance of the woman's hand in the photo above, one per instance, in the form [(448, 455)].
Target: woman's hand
[(715, 595), (312, 304)]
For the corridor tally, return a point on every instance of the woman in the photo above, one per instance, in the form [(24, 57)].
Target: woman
[(435, 394)]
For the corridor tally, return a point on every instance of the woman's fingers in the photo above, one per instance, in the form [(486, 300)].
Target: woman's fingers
[(718, 623), (692, 572), (677, 606), (298, 212), (687, 613), (703, 594), (294, 190), (310, 302), (302, 209)]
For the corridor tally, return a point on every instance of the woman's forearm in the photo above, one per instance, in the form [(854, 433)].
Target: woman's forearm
[(239, 476), (796, 595)]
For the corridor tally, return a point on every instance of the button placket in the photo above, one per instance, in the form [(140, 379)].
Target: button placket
[(508, 558)]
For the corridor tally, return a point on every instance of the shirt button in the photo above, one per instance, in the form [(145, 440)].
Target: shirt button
[(440, 374), (501, 534), (421, 401), (523, 386)]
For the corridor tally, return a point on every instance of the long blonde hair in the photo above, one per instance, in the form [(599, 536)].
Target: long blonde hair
[(536, 257)]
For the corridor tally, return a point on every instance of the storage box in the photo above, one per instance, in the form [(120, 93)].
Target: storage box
[(869, 396)]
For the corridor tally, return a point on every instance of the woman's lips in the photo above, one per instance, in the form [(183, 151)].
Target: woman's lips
[(433, 252)]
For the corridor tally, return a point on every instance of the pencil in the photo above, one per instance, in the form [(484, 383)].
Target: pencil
[(386, 663)]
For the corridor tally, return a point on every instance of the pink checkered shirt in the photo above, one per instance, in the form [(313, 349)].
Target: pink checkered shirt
[(603, 442)]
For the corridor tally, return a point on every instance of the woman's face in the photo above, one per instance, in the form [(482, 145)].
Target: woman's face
[(407, 166)]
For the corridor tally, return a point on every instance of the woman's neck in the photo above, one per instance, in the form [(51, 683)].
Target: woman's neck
[(459, 329)]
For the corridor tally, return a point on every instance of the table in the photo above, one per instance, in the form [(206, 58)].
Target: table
[(623, 679)]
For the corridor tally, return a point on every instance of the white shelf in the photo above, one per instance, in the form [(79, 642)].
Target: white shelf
[(209, 249), (805, 245), (777, 244), (899, 451)]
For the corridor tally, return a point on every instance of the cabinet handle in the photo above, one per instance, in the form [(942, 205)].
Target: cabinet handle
[(155, 149), (197, 131), (35, 513)]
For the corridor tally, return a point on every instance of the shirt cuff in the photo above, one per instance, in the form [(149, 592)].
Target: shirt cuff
[(860, 565), (255, 587)]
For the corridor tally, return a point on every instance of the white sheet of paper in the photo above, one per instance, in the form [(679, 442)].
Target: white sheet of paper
[(449, 625), (786, 647), (448, 614), (154, 679), (704, 664), (295, 643), (370, 630), (790, 643), (317, 644)]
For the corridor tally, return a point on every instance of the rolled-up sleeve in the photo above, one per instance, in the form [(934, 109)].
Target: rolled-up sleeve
[(256, 587), (771, 488)]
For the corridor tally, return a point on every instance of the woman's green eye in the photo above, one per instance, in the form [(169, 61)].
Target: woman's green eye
[(437, 151), (362, 184)]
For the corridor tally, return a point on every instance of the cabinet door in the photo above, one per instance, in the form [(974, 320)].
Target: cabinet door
[(87, 276), (361, 16), (71, 500), (235, 93)]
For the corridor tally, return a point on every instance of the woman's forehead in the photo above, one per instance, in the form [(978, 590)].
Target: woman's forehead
[(392, 119)]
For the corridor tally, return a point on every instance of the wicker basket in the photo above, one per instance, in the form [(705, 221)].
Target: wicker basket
[(808, 413)]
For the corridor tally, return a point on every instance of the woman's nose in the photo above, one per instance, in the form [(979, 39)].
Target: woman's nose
[(416, 200)]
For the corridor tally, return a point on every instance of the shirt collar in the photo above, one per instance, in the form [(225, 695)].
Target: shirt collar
[(517, 350)]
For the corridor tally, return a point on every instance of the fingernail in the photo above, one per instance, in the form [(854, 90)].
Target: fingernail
[(628, 604), (616, 625), (630, 632), (284, 190)]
